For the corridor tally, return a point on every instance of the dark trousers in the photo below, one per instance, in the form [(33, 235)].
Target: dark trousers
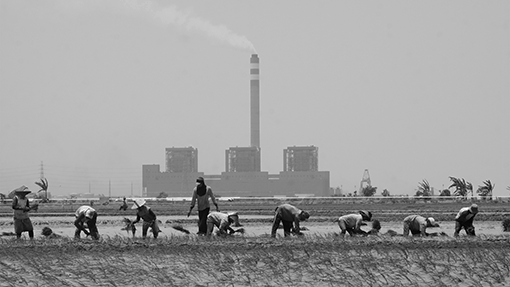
[(202, 221), (467, 225), (287, 226)]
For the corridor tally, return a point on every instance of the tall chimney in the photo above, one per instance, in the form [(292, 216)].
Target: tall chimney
[(254, 101)]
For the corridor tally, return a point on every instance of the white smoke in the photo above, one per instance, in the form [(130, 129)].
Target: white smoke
[(171, 15)]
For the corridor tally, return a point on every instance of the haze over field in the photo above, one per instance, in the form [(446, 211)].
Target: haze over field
[(408, 90)]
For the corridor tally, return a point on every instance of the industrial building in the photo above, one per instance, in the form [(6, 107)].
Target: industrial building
[(242, 175)]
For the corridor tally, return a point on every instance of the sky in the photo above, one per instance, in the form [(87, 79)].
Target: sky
[(409, 90)]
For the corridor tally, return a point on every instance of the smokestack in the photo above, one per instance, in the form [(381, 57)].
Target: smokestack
[(254, 101)]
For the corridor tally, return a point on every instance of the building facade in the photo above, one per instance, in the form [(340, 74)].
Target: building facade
[(242, 178)]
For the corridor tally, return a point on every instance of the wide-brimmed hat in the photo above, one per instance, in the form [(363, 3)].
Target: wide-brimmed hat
[(235, 217), (367, 215), (432, 222), (473, 208), (138, 203), (22, 189)]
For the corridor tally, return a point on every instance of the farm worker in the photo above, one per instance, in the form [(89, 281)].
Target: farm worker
[(201, 194), (222, 221), (124, 205), (149, 217), (464, 219), (418, 225), (351, 223), (21, 207), (290, 216), (86, 215)]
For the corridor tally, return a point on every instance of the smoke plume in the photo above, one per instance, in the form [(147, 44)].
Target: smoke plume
[(171, 15)]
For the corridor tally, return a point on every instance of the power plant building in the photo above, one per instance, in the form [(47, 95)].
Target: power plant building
[(181, 159), (242, 175), (242, 159)]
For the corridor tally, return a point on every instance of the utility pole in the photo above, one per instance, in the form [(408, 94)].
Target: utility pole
[(109, 188), (131, 189)]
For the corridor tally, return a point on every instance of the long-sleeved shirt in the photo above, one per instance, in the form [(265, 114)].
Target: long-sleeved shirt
[(82, 211), (220, 220), (203, 201), (81, 215), (415, 223), (464, 215), (352, 220), (145, 213), (287, 212), (19, 206)]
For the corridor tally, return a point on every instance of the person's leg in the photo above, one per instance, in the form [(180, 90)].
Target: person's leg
[(155, 229), (92, 225), (27, 225), (406, 229), (287, 225), (458, 227), (202, 221), (18, 227), (145, 228)]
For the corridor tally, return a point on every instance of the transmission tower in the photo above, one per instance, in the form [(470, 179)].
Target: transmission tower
[(365, 181), (42, 171)]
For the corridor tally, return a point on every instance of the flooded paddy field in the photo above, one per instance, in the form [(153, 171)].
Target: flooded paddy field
[(320, 257), (253, 225)]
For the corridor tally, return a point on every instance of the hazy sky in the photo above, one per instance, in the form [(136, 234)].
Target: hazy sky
[(409, 90)]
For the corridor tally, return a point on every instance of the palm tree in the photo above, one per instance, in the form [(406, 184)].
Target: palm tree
[(44, 187), (461, 186), (485, 190), (423, 189)]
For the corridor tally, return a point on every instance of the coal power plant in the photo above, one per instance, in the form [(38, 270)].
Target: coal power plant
[(242, 175)]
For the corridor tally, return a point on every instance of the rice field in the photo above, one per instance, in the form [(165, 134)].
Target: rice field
[(319, 258), (257, 261)]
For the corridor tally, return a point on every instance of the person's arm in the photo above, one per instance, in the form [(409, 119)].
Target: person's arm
[(15, 203), (406, 228), (297, 229), (209, 190), (78, 222), (224, 226), (193, 200), (357, 227), (423, 228), (276, 223), (137, 218)]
